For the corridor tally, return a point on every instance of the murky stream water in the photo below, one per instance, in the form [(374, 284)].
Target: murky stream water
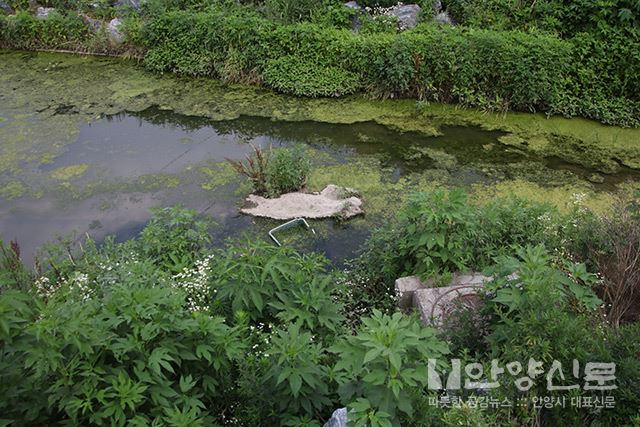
[(127, 146), (104, 178)]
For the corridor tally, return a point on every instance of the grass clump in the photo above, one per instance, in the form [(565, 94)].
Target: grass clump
[(274, 172)]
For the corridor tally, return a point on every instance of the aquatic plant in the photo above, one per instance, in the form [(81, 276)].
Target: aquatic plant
[(254, 167), (287, 170), (273, 172)]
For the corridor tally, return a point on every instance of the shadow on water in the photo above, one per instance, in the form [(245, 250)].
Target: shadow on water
[(127, 146)]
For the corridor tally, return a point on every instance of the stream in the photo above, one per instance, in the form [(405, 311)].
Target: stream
[(67, 172)]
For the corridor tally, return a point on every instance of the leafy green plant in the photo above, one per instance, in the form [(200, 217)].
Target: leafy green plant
[(131, 355), (296, 374), (174, 236), (21, 401), (442, 232), (274, 172), (287, 170), (378, 366), (466, 416), (624, 346), (291, 11), (535, 280), (297, 77), (309, 304), (547, 315), (366, 415), (250, 276), (112, 336), (435, 231), (510, 222), (429, 237)]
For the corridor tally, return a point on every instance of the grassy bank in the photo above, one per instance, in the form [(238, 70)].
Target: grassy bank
[(584, 71)]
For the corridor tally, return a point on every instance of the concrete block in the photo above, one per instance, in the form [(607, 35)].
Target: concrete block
[(404, 288)]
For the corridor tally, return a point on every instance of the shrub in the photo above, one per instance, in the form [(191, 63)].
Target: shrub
[(254, 168), (442, 232), (293, 76), (269, 282), (571, 59), (610, 244), (136, 355), (380, 365), (22, 400), (624, 346), (275, 171), (25, 31), (546, 314), (291, 11), (174, 237), (477, 68), (435, 228), (296, 375), (510, 222), (287, 170), (20, 31), (113, 336), (428, 237)]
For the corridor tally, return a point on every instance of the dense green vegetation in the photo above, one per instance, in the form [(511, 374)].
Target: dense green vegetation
[(273, 172), (578, 58), (165, 330)]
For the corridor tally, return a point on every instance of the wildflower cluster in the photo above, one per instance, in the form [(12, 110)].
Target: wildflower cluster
[(194, 281), (45, 288)]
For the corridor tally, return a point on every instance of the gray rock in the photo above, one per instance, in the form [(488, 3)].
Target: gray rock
[(43, 12), (596, 178), (4, 7), (462, 279), (338, 418), (129, 4), (94, 24), (355, 23), (444, 18), (113, 31), (333, 201), (353, 5), (407, 15)]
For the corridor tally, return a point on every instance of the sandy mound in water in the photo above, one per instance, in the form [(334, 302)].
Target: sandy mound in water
[(333, 201)]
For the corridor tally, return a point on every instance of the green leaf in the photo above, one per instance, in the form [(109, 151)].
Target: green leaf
[(295, 382)]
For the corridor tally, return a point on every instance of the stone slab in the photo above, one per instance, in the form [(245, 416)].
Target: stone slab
[(404, 288), (333, 201), (435, 305)]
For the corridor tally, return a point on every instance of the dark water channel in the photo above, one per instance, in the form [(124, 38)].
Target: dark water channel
[(124, 154)]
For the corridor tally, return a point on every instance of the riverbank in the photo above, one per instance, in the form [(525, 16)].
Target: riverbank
[(489, 69), (67, 81)]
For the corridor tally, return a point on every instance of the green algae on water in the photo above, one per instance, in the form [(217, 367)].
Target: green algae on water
[(67, 173), (12, 190), (66, 81)]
